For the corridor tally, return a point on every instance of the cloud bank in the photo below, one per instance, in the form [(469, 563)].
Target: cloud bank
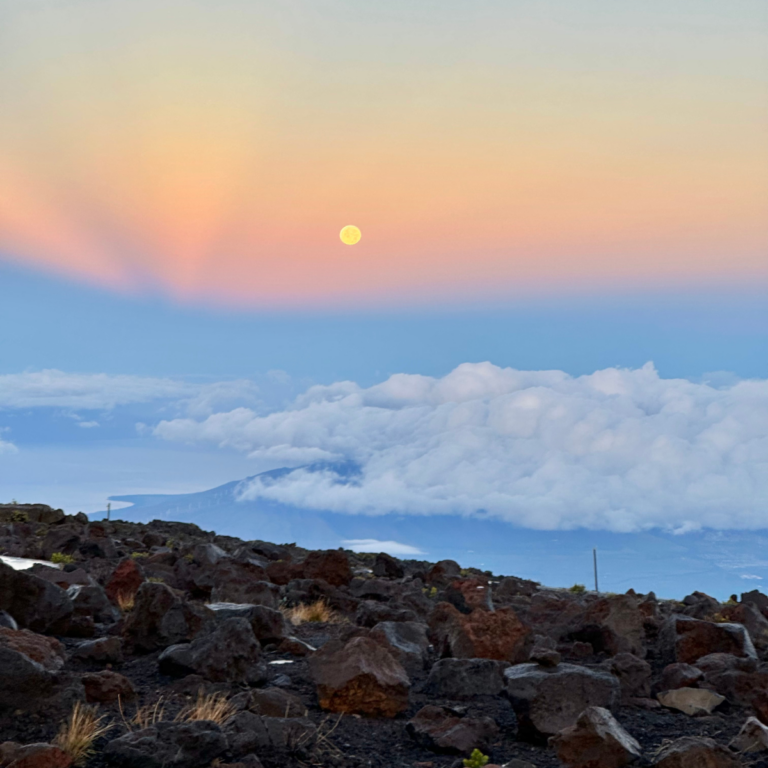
[(102, 392), (622, 450)]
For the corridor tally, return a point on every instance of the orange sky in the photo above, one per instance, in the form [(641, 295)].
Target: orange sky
[(212, 151)]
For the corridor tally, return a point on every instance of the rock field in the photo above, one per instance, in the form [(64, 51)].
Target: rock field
[(187, 649)]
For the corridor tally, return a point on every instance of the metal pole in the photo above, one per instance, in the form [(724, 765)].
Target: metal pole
[(594, 562), (109, 509)]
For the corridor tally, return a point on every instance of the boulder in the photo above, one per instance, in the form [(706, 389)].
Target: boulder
[(468, 594), (62, 538), (482, 634), (107, 686), (618, 620), (275, 702), (159, 618), (634, 675), (679, 675), (753, 621), (544, 656), (227, 651), (443, 572), (388, 567), (268, 624), (92, 601), (739, 679), (62, 577), (687, 640), (21, 677), (33, 602), (371, 612), (691, 701), (235, 582), (247, 732), (442, 730), (102, 650), (466, 678), (406, 640), (37, 756), (695, 752), (359, 677), (548, 700), (331, 565), (595, 740), (753, 737), (511, 586), (168, 745), (125, 580), (758, 599), (33, 513), (46, 651)]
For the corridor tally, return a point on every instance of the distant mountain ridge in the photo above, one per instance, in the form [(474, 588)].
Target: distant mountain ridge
[(718, 562)]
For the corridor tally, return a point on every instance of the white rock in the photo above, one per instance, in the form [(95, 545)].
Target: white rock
[(691, 701)]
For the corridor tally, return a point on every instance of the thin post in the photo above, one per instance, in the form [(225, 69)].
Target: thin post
[(594, 562), (109, 508)]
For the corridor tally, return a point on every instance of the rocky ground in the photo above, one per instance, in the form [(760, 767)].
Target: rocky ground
[(411, 664)]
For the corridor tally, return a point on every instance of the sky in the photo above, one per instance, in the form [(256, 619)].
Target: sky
[(556, 315)]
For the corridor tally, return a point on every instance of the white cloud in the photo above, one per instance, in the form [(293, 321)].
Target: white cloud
[(103, 392), (87, 424), (619, 449), (6, 447), (751, 576), (86, 391), (394, 548)]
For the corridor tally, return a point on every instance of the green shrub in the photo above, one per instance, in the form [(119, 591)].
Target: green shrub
[(476, 760), (137, 555), (59, 558), (19, 516), (155, 580), (577, 589)]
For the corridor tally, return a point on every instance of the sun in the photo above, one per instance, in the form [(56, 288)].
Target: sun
[(350, 235)]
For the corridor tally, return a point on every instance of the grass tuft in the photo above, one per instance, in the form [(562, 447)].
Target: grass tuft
[(78, 733), (213, 706), (145, 716), (125, 601), (319, 612)]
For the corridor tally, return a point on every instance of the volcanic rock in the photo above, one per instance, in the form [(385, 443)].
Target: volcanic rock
[(691, 701), (548, 700), (687, 640), (441, 730), (406, 640), (359, 677), (595, 740), (695, 752), (466, 678), (224, 652)]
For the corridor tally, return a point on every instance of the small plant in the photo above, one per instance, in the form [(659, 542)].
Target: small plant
[(155, 580), (319, 612), (213, 706), (59, 558), (78, 733), (720, 619), (19, 516), (476, 760), (137, 555), (125, 601), (145, 716), (577, 589), (465, 572), (189, 557), (732, 600)]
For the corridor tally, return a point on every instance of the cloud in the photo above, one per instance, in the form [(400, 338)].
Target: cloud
[(623, 450), (751, 576), (103, 392), (394, 548), (6, 447)]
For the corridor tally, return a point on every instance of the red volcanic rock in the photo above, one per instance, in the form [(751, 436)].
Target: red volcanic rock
[(442, 730), (695, 752), (125, 580), (39, 756), (687, 640), (480, 635), (679, 675), (107, 686), (331, 565), (360, 677), (596, 740), (47, 651)]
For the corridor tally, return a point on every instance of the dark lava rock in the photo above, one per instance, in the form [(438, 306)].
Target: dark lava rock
[(442, 730), (466, 678)]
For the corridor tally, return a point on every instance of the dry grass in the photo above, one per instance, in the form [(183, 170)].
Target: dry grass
[(78, 733), (144, 716), (319, 611), (213, 706), (125, 601)]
